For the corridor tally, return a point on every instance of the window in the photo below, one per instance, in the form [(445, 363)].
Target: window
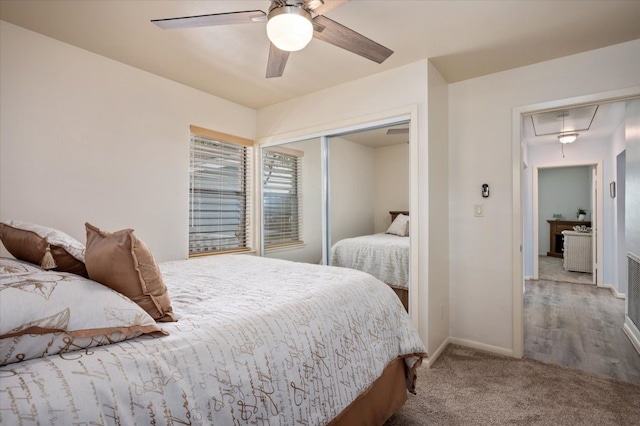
[(282, 170), (219, 193)]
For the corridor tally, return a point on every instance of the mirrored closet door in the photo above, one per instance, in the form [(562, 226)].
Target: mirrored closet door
[(341, 199), (369, 190)]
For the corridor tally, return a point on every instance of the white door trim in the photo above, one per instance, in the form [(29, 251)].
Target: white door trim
[(516, 210)]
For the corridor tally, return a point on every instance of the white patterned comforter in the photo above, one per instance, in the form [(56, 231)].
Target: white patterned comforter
[(259, 341), (385, 256)]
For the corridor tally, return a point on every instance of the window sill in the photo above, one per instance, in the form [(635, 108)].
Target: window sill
[(216, 253), (285, 247)]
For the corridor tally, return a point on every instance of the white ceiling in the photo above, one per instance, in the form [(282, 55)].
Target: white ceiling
[(380, 136), (464, 39), (590, 127)]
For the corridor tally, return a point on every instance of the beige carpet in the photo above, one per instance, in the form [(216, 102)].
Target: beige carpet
[(470, 387)]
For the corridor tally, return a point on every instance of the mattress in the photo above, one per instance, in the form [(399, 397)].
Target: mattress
[(385, 256), (258, 341)]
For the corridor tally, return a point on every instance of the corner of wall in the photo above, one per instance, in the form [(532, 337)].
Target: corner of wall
[(438, 210)]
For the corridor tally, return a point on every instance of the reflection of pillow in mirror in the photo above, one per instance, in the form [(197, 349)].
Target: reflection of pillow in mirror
[(400, 226), (47, 312)]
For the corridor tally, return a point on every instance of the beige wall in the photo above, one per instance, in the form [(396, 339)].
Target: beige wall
[(85, 138), (438, 234), (480, 151), (391, 183), (351, 189)]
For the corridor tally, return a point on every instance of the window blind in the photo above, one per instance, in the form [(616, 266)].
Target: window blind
[(220, 194), (282, 194)]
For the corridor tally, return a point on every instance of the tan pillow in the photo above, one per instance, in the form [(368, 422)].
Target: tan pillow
[(121, 261), (28, 242)]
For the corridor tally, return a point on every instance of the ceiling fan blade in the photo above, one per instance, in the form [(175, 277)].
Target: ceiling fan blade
[(346, 38), (320, 7), (229, 18), (277, 61)]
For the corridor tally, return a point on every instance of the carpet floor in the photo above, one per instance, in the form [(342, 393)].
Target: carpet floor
[(551, 269), (470, 387)]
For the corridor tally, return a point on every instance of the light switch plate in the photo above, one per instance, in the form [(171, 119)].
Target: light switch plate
[(478, 210)]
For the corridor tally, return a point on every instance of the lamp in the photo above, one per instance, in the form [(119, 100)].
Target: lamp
[(289, 28), (567, 137)]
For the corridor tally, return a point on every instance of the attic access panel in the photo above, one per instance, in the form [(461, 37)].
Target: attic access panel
[(575, 120)]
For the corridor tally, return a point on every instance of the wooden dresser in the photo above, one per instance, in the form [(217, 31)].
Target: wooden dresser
[(555, 234)]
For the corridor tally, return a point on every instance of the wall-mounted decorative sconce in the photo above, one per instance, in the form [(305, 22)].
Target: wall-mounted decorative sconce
[(485, 190)]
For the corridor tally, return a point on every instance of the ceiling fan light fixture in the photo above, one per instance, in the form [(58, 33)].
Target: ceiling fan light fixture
[(567, 138), (289, 28)]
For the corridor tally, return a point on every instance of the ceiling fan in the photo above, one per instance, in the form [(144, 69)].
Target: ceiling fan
[(290, 26)]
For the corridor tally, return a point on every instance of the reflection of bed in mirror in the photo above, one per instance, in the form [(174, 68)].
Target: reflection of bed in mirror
[(383, 255)]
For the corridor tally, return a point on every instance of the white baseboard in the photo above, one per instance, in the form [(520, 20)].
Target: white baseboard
[(481, 346), (436, 354), (528, 278), (615, 292), (632, 332)]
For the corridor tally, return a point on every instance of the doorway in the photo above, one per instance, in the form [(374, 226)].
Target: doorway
[(522, 241), (524, 198), (558, 191)]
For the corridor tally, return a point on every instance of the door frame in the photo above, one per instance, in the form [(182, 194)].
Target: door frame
[(598, 277), (517, 171)]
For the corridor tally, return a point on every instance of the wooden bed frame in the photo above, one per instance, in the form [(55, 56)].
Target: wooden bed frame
[(383, 398), (402, 293), (395, 213)]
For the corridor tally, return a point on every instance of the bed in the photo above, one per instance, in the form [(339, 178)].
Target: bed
[(256, 341), (383, 255)]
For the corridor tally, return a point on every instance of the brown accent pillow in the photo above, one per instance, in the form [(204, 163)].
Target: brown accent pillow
[(28, 242), (121, 261)]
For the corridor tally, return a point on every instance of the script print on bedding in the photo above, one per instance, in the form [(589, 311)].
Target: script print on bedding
[(259, 341), (384, 256)]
